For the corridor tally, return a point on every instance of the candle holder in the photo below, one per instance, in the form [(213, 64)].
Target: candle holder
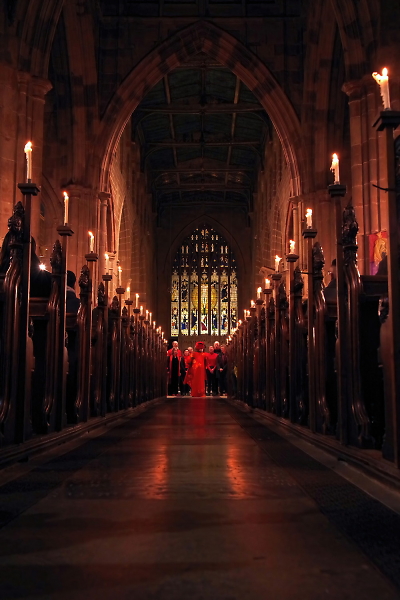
[(91, 257), (65, 232), (337, 192), (291, 258), (387, 122), (310, 234), (106, 278), (120, 291), (129, 303)]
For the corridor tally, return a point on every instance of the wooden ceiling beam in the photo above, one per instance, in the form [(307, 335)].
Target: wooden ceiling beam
[(194, 109)]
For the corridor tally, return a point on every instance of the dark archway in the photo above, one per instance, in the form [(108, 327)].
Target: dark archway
[(205, 37)]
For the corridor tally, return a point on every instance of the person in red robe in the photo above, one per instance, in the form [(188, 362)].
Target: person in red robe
[(211, 371), (196, 374), (174, 347)]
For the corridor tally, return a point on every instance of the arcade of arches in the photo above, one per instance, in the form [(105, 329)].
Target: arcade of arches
[(157, 117), (191, 137)]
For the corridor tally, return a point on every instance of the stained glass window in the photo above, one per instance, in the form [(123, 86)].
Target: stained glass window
[(204, 286)]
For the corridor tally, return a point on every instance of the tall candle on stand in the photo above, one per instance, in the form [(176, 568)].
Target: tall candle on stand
[(150, 315), (28, 154), (259, 290), (107, 259), (91, 241), (335, 168), (292, 245), (252, 303), (119, 276), (267, 284), (66, 202), (383, 82), (277, 261), (128, 293), (141, 310), (137, 301), (309, 218)]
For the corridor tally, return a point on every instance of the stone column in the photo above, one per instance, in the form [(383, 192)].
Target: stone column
[(103, 247), (82, 211), (366, 199)]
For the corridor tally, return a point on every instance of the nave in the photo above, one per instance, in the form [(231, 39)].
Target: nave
[(192, 498)]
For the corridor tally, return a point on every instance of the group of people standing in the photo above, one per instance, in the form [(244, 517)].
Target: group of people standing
[(196, 372)]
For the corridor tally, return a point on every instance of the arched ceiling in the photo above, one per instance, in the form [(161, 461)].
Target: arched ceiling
[(202, 135)]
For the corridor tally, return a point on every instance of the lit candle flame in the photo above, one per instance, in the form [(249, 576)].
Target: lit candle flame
[(119, 276), (28, 154), (383, 82), (292, 245), (42, 267), (259, 290), (252, 303), (309, 218), (66, 202), (137, 301), (277, 261), (267, 284), (91, 241), (335, 167)]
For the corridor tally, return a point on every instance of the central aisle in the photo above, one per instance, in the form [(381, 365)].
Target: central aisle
[(179, 503)]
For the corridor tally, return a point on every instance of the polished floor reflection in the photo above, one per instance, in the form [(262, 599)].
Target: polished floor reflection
[(179, 503)]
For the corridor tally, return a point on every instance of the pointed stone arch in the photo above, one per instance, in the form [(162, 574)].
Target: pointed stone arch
[(204, 36), (214, 224)]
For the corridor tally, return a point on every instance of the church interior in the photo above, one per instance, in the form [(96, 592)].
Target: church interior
[(197, 173)]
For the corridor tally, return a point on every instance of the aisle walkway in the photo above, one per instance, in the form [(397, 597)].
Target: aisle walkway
[(183, 502)]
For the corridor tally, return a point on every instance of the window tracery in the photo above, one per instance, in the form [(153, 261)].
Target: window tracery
[(204, 286)]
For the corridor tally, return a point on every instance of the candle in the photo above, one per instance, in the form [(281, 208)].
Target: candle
[(154, 324), (147, 315), (107, 258), (240, 322), (141, 310), (244, 314), (28, 154), (252, 304), (91, 241), (267, 284), (42, 267), (259, 290), (128, 293), (277, 261), (335, 168), (66, 201), (137, 301), (309, 218), (383, 82), (150, 315), (292, 245), (119, 276)]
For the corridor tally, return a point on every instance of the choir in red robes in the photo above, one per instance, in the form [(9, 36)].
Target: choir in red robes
[(196, 374)]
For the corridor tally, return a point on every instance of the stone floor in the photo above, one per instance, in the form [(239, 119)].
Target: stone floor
[(184, 502)]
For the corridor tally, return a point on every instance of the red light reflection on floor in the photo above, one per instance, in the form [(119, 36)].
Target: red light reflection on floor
[(236, 476)]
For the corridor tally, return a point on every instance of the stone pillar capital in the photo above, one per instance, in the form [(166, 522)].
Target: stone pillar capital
[(23, 78), (104, 197), (40, 87), (357, 87)]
